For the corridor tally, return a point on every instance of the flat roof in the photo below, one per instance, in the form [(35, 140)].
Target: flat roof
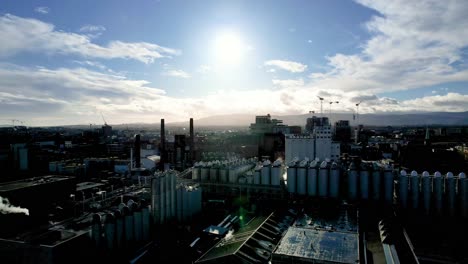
[(338, 247), (30, 182)]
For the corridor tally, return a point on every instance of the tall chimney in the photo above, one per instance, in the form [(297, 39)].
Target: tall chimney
[(192, 143), (137, 151), (163, 145)]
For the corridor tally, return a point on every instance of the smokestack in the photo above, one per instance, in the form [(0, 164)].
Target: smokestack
[(163, 145), (137, 151), (192, 143)]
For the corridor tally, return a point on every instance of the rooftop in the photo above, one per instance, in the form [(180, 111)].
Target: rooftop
[(30, 182)]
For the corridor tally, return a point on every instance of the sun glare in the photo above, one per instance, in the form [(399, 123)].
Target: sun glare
[(229, 48)]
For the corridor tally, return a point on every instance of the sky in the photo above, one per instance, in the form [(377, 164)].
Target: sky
[(68, 62)]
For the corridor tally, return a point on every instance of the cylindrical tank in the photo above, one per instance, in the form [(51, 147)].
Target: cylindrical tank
[(388, 185), (128, 223), (214, 173), (334, 181), (414, 187), (276, 173), (450, 192), (352, 182), (145, 221), (291, 177), (265, 180), (233, 174), (426, 191), (223, 175), (249, 178), (109, 231), (96, 231), (120, 230), (205, 172), (376, 185), (302, 177), (137, 223), (403, 189), (438, 192), (323, 180), (196, 172), (312, 178), (463, 194), (173, 194), (364, 181), (257, 175)]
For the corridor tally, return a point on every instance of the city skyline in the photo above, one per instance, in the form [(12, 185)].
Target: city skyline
[(66, 63)]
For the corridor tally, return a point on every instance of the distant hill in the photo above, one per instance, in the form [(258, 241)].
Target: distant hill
[(393, 119)]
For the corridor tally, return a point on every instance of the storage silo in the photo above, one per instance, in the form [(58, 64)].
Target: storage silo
[(196, 171), (376, 182), (403, 189), (388, 185), (438, 192), (257, 174), (145, 221), (334, 185), (265, 180), (463, 194), (301, 177), (414, 189), (276, 170), (173, 194), (291, 176), (96, 230), (223, 173), (109, 231), (119, 223), (214, 172), (312, 178), (323, 180), (128, 224), (205, 172), (364, 181), (352, 182), (137, 223), (450, 192), (426, 191), (249, 176)]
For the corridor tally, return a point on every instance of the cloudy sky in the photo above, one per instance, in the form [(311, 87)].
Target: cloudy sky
[(66, 62)]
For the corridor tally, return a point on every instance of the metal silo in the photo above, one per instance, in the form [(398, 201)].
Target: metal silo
[(145, 221), (334, 181), (205, 172), (312, 178), (291, 176), (352, 182), (257, 174), (414, 187), (173, 194), (223, 174), (463, 194), (276, 173), (376, 183), (137, 223), (301, 176), (438, 192), (364, 181), (388, 184), (156, 199), (214, 172), (265, 180), (196, 171), (128, 223), (450, 192), (96, 230), (426, 191), (403, 189), (119, 222), (109, 231), (323, 180)]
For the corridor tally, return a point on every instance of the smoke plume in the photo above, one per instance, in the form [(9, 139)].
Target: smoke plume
[(7, 208)]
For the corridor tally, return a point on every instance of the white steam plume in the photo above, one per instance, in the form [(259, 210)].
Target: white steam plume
[(7, 208)]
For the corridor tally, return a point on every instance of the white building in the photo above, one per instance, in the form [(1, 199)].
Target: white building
[(318, 144)]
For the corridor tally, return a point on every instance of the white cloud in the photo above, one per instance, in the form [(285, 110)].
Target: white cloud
[(204, 69), (42, 9), (413, 44), (290, 66), (92, 28), (288, 83), (177, 73), (31, 35), (309, 41)]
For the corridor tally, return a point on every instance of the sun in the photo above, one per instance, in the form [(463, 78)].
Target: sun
[(229, 48)]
